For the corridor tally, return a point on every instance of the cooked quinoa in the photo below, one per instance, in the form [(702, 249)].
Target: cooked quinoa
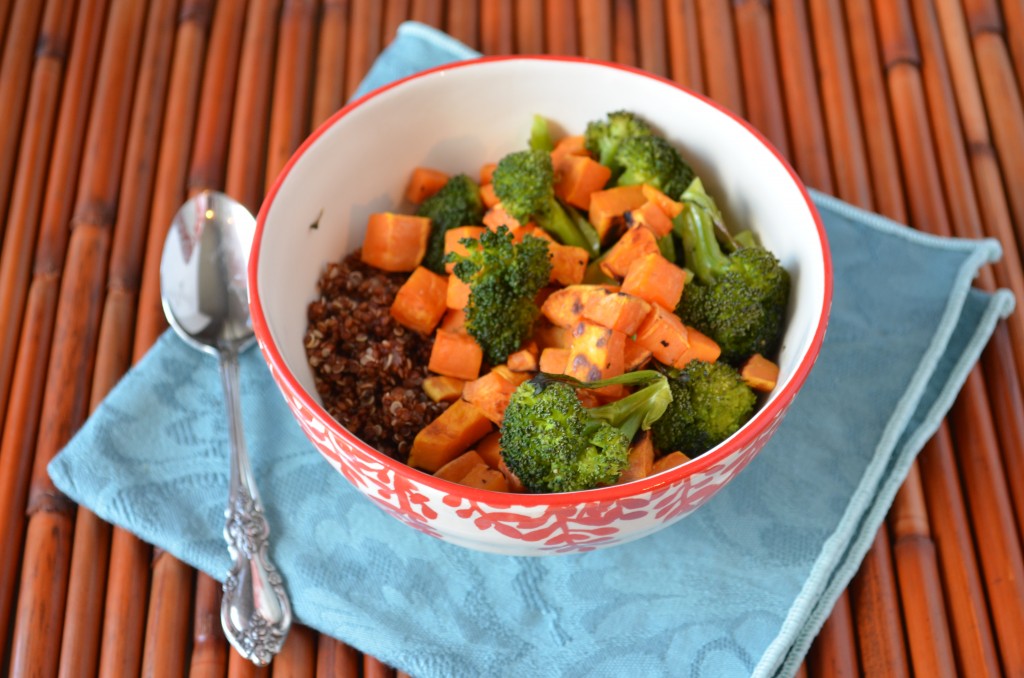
[(369, 370)]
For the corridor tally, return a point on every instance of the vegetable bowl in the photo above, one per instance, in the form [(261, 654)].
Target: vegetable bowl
[(357, 166)]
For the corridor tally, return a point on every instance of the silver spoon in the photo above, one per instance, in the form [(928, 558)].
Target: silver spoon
[(204, 294)]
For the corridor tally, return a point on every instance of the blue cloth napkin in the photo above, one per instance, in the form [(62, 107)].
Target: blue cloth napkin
[(739, 588)]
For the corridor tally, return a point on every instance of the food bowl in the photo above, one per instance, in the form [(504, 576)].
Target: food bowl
[(455, 118)]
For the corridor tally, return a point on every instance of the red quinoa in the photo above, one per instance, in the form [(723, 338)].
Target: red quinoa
[(368, 369)]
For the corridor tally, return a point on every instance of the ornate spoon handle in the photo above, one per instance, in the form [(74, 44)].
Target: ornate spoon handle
[(255, 611)]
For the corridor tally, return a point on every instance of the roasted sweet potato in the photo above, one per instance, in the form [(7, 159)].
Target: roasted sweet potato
[(420, 301), (395, 242), (760, 373), (641, 459), (634, 244), (453, 432), (423, 183), (656, 279), (491, 393), (608, 206), (455, 355), (616, 310), (664, 335)]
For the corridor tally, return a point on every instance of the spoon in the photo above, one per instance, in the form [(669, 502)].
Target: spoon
[(204, 295)]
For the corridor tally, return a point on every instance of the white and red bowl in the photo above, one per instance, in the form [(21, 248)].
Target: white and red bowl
[(455, 118)]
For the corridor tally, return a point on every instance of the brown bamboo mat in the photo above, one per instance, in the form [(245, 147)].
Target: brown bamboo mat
[(113, 111)]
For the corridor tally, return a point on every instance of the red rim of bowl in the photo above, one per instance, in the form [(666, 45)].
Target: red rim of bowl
[(742, 438)]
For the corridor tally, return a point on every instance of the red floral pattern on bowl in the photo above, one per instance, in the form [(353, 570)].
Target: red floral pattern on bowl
[(504, 523)]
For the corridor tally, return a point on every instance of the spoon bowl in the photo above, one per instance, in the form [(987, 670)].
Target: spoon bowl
[(203, 272), (203, 288)]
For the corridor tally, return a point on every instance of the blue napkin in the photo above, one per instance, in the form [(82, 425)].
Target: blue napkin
[(739, 588)]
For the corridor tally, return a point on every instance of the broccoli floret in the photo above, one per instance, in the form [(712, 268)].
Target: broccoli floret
[(603, 137), (710, 401), (653, 160), (737, 298), (504, 279), (456, 204), (552, 443), (524, 182)]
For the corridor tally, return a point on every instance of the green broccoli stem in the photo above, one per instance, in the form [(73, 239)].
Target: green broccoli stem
[(631, 413), (540, 135), (637, 410), (696, 226), (559, 224), (588, 232), (746, 239), (667, 247)]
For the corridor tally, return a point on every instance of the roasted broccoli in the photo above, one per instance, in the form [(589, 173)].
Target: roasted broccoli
[(603, 137), (552, 443), (504, 279), (524, 182), (456, 204), (737, 298), (653, 160), (710, 401)]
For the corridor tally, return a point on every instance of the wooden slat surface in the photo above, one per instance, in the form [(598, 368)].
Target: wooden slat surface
[(115, 110)]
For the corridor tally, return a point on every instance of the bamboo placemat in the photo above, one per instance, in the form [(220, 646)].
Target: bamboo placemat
[(114, 111)]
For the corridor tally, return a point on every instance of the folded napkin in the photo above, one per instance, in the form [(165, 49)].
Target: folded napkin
[(738, 588)]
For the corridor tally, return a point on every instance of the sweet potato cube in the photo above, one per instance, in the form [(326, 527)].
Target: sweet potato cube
[(656, 279), (487, 195), (491, 393), (455, 355), (617, 311), (634, 244), (596, 352), (497, 216), (760, 373), (670, 460), (564, 307), (484, 477), (589, 398), (568, 263), (554, 360), (487, 172), (453, 432), (702, 347), (608, 206), (423, 183), (634, 356), (420, 302), (548, 335), (566, 146), (395, 242), (489, 449), (457, 293), (453, 238), (523, 360), (454, 320), (641, 459), (578, 177), (457, 468), (670, 207), (515, 378), (440, 388), (664, 335), (649, 216), (531, 229)]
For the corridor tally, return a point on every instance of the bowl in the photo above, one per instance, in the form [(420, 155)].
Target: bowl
[(455, 118)]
